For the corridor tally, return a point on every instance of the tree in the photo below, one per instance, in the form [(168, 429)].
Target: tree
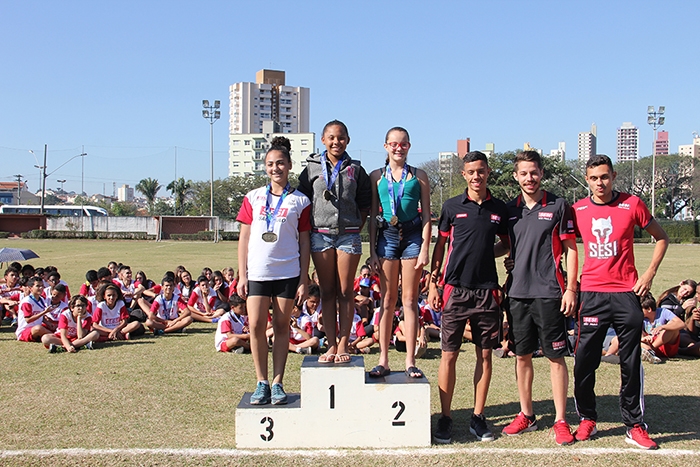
[(180, 189), (149, 187), (123, 208)]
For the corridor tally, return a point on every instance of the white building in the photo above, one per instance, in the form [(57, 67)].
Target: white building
[(559, 153), (125, 193), (627, 142), (247, 151), (268, 99), (445, 160), (587, 144), (692, 150)]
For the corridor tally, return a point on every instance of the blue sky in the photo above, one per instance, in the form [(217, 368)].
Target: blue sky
[(126, 79)]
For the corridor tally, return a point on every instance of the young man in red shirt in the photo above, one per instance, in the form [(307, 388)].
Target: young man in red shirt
[(610, 291)]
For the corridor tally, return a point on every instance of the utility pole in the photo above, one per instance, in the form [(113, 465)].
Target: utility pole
[(19, 187), (43, 180)]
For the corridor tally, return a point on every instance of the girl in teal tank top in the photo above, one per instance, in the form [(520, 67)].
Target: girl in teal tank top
[(399, 244)]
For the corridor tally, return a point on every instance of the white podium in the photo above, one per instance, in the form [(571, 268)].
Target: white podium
[(340, 406)]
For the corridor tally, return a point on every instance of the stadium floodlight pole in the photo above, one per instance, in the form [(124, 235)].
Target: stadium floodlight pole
[(211, 113), (655, 119)]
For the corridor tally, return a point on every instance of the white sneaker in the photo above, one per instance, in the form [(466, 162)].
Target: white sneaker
[(650, 356)]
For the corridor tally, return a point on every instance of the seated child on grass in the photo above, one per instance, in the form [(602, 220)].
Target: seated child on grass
[(661, 334), (111, 317), (168, 313), (301, 338), (201, 302), (74, 328), (32, 310), (232, 331)]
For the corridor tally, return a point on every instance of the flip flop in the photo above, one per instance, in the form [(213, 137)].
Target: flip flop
[(379, 372), (339, 358), (414, 372), (326, 358)]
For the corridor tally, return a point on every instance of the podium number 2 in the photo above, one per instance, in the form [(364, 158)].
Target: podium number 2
[(268, 428), (332, 391), (401, 407)]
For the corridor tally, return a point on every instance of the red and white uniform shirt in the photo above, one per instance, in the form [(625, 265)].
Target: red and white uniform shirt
[(607, 231), (166, 309), (229, 322), (268, 261), (110, 317), (127, 290), (66, 321), (305, 324), (196, 299), (28, 307), (184, 291), (86, 290), (357, 329)]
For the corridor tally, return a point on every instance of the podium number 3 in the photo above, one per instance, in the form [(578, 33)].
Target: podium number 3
[(268, 428), (401, 406)]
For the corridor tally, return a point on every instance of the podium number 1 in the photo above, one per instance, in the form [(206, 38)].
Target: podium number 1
[(332, 391)]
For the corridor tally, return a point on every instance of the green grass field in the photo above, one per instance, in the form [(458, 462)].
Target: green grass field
[(176, 392)]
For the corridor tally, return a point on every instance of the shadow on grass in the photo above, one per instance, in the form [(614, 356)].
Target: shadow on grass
[(136, 341), (670, 418)]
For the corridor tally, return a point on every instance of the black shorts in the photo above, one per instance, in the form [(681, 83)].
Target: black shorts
[(282, 288), (535, 321), (478, 306)]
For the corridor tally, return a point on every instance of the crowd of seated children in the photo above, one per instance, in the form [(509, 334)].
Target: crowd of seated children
[(232, 330)]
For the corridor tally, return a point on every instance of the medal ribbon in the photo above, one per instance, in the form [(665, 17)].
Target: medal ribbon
[(390, 185), (330, 181), (270, 217), (166, 309)]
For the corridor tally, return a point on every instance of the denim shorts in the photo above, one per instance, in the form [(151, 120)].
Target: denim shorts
[(392, 244), (349, 243)]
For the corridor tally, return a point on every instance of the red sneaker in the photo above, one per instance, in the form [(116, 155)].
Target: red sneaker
[(586, 429), (562, 433), (638, 436), (521, 424)]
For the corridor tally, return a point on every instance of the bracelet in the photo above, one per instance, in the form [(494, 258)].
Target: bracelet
[(570, 290)]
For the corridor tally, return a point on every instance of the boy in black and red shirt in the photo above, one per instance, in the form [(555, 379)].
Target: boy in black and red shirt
[(610, 291), (471, 222), (539, 300)]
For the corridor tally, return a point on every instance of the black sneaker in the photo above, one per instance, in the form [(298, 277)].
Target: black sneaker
[(478, 428), (443, 432)]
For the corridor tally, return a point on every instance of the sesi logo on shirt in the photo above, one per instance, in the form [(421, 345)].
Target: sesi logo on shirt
[(495, 218), (603, 249), (545, 216)]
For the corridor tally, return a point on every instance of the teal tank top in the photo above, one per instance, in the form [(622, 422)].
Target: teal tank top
[(407, 210)]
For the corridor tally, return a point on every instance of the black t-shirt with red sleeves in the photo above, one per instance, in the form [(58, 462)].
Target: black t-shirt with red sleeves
[(472, 229), (536, 246)]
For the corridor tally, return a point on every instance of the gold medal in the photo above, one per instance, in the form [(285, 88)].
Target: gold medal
[(394, 220), (328, 195)]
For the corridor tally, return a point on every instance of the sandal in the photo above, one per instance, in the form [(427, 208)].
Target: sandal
[(343, 358), (326, 358), (379, 372), (414, 372)]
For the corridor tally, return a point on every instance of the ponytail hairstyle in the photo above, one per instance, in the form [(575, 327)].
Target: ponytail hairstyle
[(283, 145), (336, 123)]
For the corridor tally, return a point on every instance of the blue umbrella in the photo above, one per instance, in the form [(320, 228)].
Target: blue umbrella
[(15, 254)]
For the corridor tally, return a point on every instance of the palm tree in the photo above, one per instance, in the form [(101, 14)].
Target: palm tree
[(179, 189), (149, 187)]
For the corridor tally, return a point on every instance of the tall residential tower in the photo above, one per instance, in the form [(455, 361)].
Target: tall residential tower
[(627, 142), (587, 144)]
